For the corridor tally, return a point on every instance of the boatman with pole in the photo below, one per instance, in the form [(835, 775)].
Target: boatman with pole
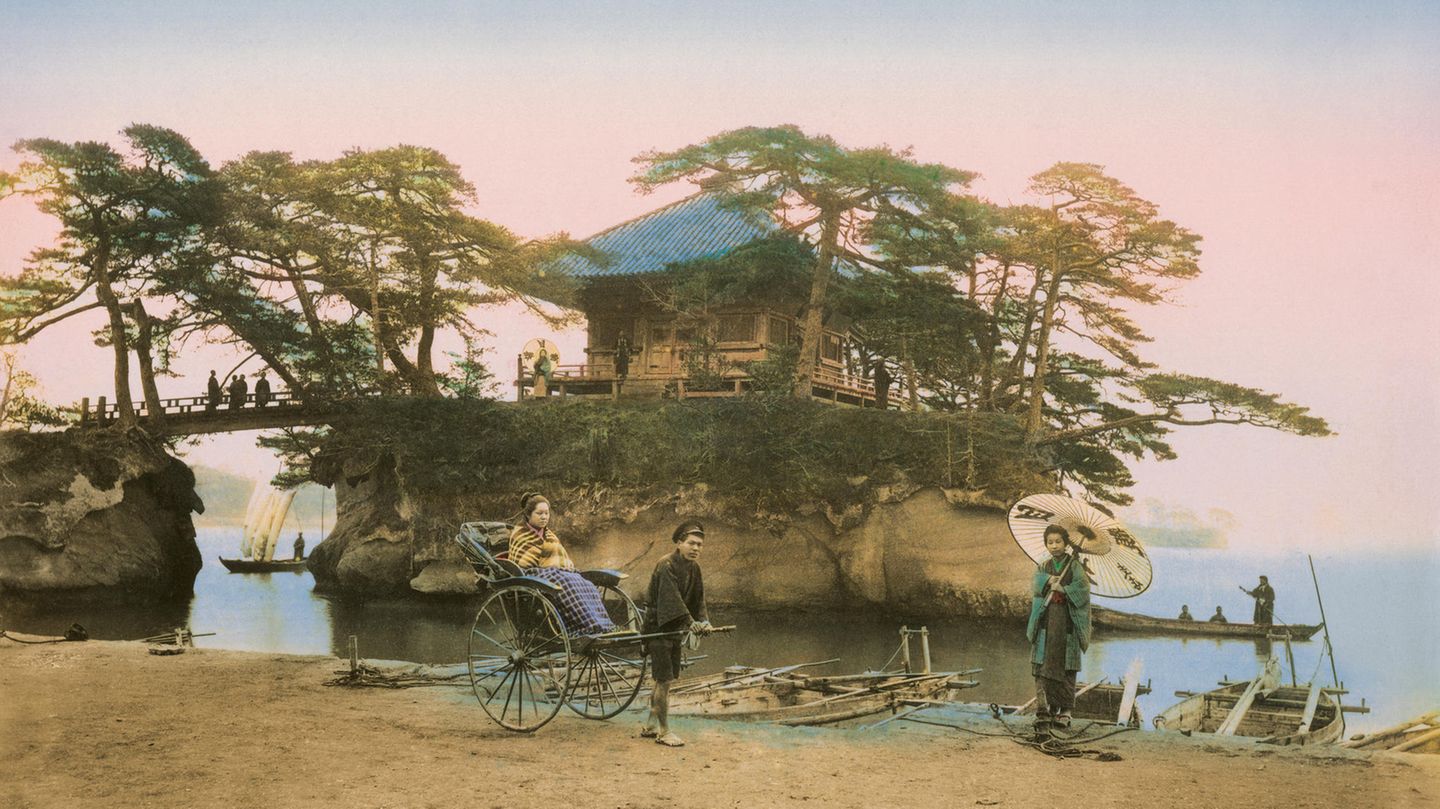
[(675, 601), (1264, 596), (1059, 629)]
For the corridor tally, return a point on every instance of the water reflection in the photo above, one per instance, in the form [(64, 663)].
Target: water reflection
[(279, 612)]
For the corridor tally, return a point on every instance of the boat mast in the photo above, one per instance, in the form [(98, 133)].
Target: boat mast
[(1324, 624)]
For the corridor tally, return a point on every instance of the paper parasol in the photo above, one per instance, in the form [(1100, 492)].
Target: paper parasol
[(1113, 560), (536, 345)]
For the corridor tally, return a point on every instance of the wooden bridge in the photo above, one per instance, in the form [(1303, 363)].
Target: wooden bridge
[(196, 416)]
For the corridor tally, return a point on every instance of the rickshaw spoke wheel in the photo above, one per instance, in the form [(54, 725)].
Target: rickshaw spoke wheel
[(517, 657)]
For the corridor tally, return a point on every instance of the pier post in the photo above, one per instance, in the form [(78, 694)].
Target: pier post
[(905, 647), (84, 410), (925, 647)]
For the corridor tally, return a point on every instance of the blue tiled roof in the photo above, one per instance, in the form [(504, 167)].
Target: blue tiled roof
[(695, 227)]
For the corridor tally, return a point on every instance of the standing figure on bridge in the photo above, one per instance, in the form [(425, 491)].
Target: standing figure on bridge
[(239, 388), (262, 391), (213, 394)]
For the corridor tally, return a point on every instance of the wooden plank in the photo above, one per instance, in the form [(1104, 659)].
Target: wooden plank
[(1417, 741), (1311, 702), (1392, 731), (1132, 684), (1267, 681)]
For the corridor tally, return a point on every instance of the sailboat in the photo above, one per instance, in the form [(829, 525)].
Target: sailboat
[(264, 519)]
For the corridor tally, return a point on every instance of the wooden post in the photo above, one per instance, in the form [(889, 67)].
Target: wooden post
[(905, 647), (100, 410), (615, 389), (680, 389), (925, 646), (354, 644), (84, 410)]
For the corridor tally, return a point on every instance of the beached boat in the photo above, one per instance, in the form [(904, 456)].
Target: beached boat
[(1097, 702), (1418, 735), (1261, 709), (1134, 622), (263, 565), (783, 696)]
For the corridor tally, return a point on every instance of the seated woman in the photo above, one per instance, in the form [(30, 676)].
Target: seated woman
[(538, 553)]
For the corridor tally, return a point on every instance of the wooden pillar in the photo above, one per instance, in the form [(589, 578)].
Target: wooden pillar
[(100, 410), (679, 388), (84, 411)]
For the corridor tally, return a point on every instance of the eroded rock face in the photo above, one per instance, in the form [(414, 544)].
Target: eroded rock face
[(101, 512), (922, 551)]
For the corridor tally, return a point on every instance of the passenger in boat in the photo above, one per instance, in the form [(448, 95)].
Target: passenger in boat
[(538, 553), (1059, 628), (1264, 596), (674, 601), (299, 547), (1219, 617), (1185, 613)]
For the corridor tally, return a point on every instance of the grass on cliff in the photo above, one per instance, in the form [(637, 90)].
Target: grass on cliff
[(778, 453)]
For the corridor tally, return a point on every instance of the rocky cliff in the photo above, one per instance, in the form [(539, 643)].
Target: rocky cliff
[(915, 550), (99, 512)]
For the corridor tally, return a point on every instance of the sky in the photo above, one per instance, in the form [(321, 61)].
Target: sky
[(1301, 140)]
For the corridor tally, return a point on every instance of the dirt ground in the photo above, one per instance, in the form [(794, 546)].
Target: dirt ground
[(100, 724)]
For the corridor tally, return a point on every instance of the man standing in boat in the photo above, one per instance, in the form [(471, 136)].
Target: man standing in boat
[(1264, 596), (674, 601), (299, 545), (1059, 629)]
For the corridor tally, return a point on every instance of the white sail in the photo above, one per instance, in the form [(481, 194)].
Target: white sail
[(277, 521), (258, 496)]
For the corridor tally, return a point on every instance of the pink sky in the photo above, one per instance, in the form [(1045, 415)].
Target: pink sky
[(1300, 140)]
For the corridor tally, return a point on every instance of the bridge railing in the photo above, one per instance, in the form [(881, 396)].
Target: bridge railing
[(104, 412)]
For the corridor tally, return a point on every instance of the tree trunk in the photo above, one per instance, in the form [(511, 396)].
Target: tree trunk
[(118, 340), (1034, 422), (992, 341), (424, 365), (815, 309), (143, 329)]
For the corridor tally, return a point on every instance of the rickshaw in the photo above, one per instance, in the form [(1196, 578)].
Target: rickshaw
[(523, 662)]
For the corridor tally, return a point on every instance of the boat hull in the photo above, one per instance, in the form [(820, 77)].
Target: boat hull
[(255, 566), (1273, 718), (1133, 622)]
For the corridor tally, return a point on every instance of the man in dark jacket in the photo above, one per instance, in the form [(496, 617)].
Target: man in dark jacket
[(1264, 596), (262, 391), (213, 394), (239, 389), (675, 601)]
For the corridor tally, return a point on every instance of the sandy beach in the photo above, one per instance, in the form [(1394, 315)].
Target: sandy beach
[(108, 724)]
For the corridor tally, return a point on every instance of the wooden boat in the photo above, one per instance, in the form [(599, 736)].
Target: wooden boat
[(1134, 622), (1418, 735), (785, 697), (1262, 709), (263, 566), (1098, 701)]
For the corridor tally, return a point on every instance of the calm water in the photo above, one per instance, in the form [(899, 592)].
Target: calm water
[(1381, 612)]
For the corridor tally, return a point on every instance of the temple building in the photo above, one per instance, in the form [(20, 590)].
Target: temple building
[(683, 353)]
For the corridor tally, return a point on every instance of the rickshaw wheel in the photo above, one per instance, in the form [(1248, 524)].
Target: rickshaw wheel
[(604, 682), (518, 658)]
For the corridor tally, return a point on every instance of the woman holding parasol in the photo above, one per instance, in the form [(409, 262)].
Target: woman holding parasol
[(1079, 551), (1059, 628)]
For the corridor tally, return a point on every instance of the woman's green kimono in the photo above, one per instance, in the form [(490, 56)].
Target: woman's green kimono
[(1077, 595)]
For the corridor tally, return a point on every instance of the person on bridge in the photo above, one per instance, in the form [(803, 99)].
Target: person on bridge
[(213, 394), (262, 391), (239, 389)]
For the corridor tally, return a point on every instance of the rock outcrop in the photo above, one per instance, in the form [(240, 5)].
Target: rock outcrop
[(921, 551), (98, 512)]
